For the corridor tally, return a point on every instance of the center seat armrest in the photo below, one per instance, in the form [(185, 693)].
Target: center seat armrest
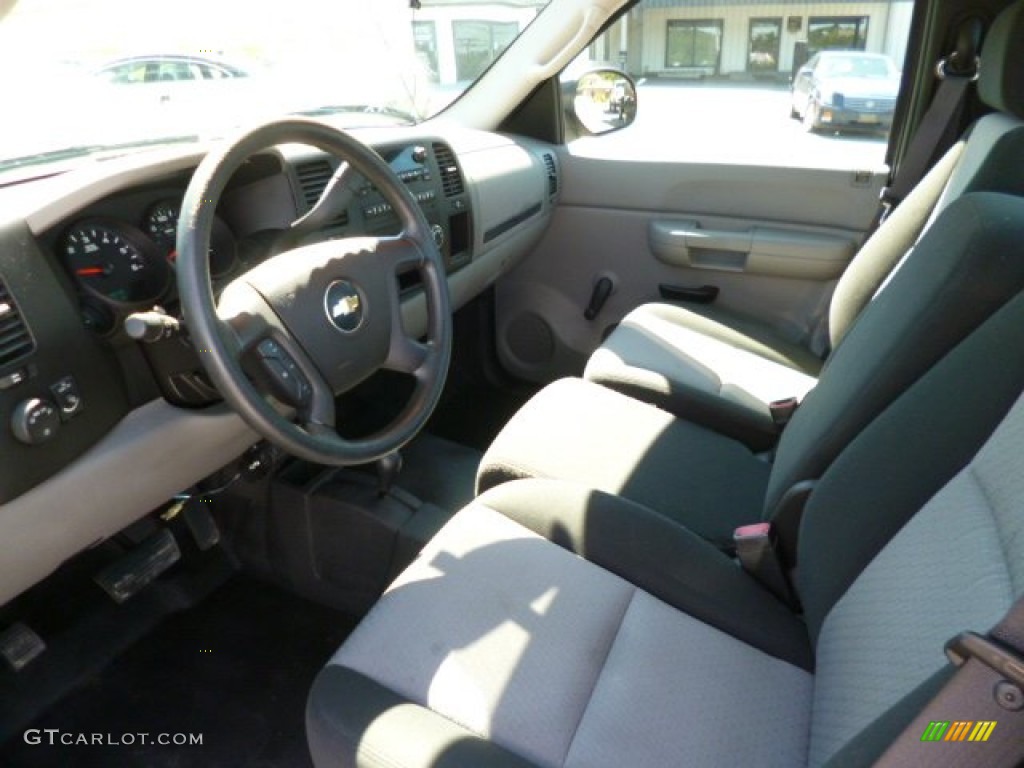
[(581, 432)]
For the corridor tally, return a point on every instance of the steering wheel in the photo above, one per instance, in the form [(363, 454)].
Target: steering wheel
[(314, 321)]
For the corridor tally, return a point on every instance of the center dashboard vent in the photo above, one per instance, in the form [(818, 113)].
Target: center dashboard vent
[(313, 177), (451, 177), (552, 169), (15, 339)]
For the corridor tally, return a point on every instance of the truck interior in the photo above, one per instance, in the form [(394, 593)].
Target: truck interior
[(571, 404)]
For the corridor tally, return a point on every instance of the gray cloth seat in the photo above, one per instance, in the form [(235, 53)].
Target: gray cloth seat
[(969, 263), (706, 365), (721, 369), (553, 625)]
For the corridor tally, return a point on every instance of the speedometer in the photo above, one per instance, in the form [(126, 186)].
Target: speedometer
[(115, 261), (162, 225)]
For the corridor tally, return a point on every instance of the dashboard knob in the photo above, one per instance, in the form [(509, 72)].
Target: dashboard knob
[(35, 421), (419, 154), (437, 232)]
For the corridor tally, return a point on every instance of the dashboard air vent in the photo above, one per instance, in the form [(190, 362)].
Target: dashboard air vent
[(15, 339), (549, 163), (313, 177), (451, 178)]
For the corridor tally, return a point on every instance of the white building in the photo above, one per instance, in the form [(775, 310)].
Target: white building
[(457, 41), (749, 38)]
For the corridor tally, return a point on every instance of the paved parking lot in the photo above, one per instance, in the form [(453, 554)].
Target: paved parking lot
[(735, 123), (702, 122)]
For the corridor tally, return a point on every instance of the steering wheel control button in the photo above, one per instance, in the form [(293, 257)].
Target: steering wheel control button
[(69, 399), (286, 378), (345, 306), (268, 348), (35, 421)]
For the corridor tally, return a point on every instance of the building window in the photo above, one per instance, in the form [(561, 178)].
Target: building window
[(424, 35), (763, 46), (694, 45), (478, 43), (837, 33)]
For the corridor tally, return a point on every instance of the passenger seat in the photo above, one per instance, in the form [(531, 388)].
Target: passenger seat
[(968, 265), (722, 370)]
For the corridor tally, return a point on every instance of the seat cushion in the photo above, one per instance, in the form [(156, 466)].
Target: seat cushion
[(708, 366), (581, 432), (495, 634)]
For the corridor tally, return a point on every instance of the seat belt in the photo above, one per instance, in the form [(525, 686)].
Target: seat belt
[(941, 125), (977, 717)]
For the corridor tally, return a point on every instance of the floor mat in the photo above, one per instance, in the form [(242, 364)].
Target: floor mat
[(235, 671)]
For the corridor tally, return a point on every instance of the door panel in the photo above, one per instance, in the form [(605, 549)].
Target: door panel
[(771, 240), (714, 188)]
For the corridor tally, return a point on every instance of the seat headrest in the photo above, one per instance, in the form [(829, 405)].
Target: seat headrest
[(1001, 82)]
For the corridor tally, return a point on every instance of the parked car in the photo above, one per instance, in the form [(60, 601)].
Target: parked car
[(182, 90), (166, 68), (622, 100), (846, 89)]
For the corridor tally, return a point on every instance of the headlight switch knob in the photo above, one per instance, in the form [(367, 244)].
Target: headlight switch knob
[(35, 421)]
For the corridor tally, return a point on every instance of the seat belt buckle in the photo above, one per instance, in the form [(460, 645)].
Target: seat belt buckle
[(886, 202), (782, 411), (1002, 660), (758, 553)]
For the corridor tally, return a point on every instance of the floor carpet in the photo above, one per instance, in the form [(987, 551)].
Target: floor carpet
[(234, 669)]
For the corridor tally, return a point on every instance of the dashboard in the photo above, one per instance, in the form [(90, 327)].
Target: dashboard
[(98, 429)]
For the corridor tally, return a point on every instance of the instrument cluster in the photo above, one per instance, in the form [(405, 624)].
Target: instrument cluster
[(132, 265)]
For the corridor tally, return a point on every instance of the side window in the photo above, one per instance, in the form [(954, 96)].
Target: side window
[(170, 71), (125, 74), (717, 80)]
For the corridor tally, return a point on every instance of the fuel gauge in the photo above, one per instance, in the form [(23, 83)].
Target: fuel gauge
[(162, 225)]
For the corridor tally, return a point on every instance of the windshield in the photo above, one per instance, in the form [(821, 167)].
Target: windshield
[(858, 66), (84, 77)]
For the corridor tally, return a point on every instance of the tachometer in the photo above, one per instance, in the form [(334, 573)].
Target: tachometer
[(115, 261), (162, 225)]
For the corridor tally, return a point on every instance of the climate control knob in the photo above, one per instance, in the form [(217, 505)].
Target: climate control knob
[(35, 421)]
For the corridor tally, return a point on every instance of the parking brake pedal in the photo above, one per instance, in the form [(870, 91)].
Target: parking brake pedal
[(126, 577)]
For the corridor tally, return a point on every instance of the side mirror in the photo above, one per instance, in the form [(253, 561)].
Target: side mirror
[(600, 101)]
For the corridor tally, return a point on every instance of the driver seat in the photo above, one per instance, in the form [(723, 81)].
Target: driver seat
[(553, 625)]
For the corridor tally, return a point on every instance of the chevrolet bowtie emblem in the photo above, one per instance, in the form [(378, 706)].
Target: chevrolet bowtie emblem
[(344, 306)]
